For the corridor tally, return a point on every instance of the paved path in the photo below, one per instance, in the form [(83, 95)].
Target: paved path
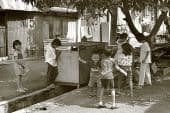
[(151, 99), (36, 79)]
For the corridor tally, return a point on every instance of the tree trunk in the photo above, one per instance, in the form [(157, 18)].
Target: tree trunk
[(132, 27), (167, 25), (129, 21), (113, 32)]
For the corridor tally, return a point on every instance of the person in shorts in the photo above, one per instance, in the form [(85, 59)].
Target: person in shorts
[(107, 78), (94, 64)]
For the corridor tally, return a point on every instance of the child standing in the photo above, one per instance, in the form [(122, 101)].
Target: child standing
[(124, 62), (122, 59), (19, 65), (107, 78), (94, 64), (51, 57)]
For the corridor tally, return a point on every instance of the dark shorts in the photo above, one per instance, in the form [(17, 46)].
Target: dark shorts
[(107, 83)]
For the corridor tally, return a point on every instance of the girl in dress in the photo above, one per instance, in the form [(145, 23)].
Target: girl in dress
[(19, 65)]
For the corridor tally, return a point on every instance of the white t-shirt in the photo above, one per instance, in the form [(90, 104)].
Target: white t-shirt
[(107, 68), (50, 56), (144, 49)]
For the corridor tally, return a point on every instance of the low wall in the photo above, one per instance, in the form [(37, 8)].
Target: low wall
[(20, 102)]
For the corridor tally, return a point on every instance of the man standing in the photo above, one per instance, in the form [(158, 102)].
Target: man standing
[(145, 60)]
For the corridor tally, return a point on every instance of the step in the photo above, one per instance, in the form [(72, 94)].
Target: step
[(20, 102)]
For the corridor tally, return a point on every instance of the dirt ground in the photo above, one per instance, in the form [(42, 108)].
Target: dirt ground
[(150, 99)]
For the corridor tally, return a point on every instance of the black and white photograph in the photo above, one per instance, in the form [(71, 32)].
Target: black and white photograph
[(84, 56)]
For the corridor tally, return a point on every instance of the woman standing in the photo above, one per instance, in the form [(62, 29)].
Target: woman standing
[(124, 62)]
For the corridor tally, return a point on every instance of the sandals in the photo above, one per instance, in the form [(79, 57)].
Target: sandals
[(101, 106), (22, 90), (114, 107)]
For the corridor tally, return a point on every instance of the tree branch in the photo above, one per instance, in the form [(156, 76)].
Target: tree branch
[(156, 27), (129, 21), (167, 24)]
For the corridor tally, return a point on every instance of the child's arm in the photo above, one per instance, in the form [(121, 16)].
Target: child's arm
[(100, 77), (16, 60), (121, 70), (112, 59), (58, 53), (82, 61)]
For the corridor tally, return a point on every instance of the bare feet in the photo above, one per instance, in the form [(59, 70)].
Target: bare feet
[(21, 90), (26, 89), (139, 87)]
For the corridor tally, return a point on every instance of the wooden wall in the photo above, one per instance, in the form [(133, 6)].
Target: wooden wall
[(29, 32), (2, 42), (32, 30), (2, 36)]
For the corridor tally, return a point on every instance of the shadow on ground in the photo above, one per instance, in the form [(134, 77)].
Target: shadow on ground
[(150, 99)]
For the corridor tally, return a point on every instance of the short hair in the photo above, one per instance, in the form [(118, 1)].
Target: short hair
[(58, 36), (16, 42), (123, 36), (56, 42), (127, 49), (107, 52)]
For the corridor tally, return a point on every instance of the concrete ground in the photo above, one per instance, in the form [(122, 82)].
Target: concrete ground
[(35, 80), (150, 99)]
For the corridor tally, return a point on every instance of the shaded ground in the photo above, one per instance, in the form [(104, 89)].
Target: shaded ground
[(151, 99), (36, 79)]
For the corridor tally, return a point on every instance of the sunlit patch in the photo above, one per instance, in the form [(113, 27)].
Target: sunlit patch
[(17, 5)]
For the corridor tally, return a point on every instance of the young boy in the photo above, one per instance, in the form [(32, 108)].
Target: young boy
[(51, 57), (94, 64), (107, 78)]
